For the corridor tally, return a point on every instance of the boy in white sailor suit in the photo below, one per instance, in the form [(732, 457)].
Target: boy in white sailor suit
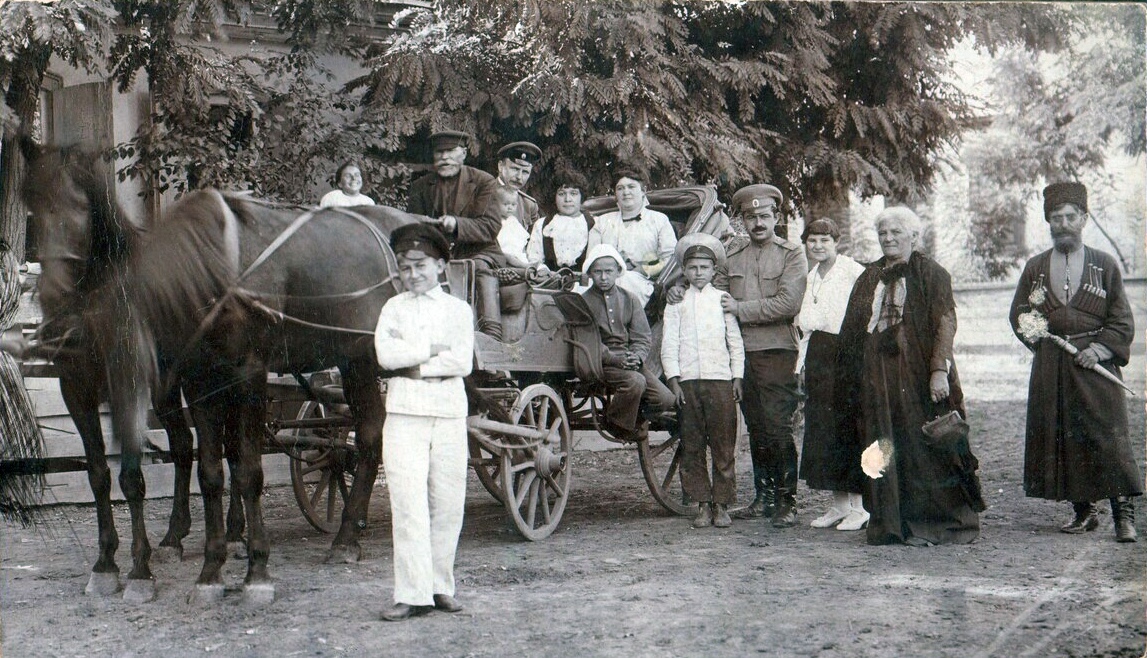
[(424, 436)]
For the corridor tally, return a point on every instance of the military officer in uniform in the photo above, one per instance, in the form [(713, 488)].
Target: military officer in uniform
[(767, 278), (515, 164)]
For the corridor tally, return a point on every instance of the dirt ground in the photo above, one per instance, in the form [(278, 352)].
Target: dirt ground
[(619, 578)]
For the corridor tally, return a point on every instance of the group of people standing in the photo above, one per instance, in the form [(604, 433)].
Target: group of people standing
[(874, 343)]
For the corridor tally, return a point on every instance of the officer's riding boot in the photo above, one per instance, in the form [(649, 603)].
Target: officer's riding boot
[(489, 305), (785, 513), (1085, 519), (1123, 513), (763, 503)]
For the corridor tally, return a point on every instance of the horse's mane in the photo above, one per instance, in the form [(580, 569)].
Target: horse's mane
[(112, 234), (182, 268)]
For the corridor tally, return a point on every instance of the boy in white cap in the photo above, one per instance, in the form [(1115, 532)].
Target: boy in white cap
[(703, 357), (627, 339)]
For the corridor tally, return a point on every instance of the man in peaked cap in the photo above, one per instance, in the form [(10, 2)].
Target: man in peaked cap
[(458, 199), (418, 339), (767, 278), (1078, 291), (516, 162)]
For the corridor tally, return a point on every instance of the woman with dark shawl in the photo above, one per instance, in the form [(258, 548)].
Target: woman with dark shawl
[(896, 373)]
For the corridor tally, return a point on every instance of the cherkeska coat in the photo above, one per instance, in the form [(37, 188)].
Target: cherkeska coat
[(1077, 445)]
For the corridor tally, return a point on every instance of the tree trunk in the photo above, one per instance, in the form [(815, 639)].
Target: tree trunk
[(23, 96), (829, 200)]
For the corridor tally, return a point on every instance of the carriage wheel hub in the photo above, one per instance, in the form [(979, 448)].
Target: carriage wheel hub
[(547, 462)]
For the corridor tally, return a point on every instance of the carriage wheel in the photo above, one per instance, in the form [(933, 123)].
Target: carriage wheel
[(322, 477), (488, 467), (661, 466), (537, 480)]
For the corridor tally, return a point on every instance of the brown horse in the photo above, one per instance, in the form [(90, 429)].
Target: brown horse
[(87, 240), (233, 288)]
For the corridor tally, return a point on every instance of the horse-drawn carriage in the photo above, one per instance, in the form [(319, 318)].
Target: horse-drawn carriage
[(224, 289), (533, 399)]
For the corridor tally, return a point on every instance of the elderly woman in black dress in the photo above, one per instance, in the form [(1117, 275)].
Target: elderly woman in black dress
[(896, 373)]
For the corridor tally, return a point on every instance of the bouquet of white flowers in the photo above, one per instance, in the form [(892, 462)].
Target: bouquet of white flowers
[(1033, 327)]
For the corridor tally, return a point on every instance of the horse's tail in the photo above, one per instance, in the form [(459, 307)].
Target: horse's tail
[(183, 269)]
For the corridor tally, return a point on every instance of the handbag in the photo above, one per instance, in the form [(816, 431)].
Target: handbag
[(946, 431)]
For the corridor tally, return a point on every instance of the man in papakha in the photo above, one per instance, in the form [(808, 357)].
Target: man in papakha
[(1077, 447)]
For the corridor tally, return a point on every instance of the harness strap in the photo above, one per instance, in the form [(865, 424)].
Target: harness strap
[(251, 297)]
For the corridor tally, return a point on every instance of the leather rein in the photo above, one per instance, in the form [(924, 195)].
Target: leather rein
[(253, 297)]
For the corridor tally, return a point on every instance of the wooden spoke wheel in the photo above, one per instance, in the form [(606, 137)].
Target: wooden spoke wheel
[(322, 476), (536, 478), (487, 465), (661, 466)]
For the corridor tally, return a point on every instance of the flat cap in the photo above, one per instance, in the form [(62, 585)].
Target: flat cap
[(754, 196), (1057, 194), (420, 237), (700, 245), (523, 152), (448, 139)]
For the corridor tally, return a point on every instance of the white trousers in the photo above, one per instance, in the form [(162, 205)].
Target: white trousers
[(425, 459)]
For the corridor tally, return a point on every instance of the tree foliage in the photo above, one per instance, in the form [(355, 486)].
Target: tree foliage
[(817, 97), (1055, 118)]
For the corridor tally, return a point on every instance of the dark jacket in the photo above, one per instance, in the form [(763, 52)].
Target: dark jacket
[(473, 206)]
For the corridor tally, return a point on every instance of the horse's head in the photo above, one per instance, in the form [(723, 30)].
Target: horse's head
[(81, 233)]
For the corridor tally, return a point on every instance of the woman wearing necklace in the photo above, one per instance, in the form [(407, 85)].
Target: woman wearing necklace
[(824, 459), (895, 372)]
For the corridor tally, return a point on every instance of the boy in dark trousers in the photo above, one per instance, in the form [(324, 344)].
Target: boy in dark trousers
[(704, 360)]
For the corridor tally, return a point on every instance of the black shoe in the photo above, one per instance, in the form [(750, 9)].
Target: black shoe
[(1085, 519), (918, 542), (785, 515), (446, 603), (1123, 513), (762, 506), (402, 611)]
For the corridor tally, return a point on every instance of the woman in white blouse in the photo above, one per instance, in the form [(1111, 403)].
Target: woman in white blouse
[(824, 461)]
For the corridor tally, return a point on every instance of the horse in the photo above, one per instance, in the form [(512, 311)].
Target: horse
[(86, 241), (236, 287)]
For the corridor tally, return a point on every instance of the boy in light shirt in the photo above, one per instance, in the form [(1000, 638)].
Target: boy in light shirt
[(704, 361), (423, 336)]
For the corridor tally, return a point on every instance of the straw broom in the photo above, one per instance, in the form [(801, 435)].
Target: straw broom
[(21, 441)]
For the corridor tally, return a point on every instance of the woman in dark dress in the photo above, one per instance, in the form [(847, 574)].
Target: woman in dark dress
[(895, 374), (824, 459)]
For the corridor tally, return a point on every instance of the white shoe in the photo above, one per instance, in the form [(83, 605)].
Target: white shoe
[(857, 519), (830, 518)]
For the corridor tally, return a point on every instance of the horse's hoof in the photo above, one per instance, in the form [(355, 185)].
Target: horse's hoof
[(259, 593), (237, 549), (167, 554), (344, 555), (206, 594), (139, 590), (102, 584)]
